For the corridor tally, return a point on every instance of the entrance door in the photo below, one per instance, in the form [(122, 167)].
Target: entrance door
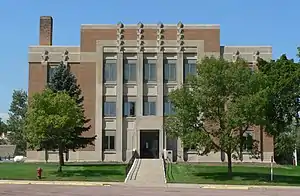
[(149, 144)]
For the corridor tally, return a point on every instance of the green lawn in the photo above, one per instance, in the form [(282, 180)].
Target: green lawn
[(246, 175), (84, 172)]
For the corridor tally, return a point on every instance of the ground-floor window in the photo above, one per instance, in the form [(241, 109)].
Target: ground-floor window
[(247, 141), (109, 140)]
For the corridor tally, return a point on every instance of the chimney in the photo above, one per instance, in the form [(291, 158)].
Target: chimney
[(46, 29)]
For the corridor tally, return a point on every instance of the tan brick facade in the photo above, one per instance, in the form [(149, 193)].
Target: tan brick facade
[(137, 43)]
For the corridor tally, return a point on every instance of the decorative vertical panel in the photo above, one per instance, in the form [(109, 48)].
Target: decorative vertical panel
[(120, 36), (45, 57), (160, 36), (180, 36), (256, 56), (65, 57), (236, 56), (140, 37)]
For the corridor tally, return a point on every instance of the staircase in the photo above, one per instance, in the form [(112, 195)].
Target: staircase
[(146, 172)]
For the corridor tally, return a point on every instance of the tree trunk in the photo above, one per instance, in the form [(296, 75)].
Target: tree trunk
[(61, 159), (229, 166), (241, 146)]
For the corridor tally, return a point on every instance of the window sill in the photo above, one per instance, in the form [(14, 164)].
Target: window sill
[(110, 83), (170, 82), (150, 83), (129, 83), (110, 152), (109, 117), (130, 117)]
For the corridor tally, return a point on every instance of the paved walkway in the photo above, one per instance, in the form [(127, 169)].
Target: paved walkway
[(148, 172)]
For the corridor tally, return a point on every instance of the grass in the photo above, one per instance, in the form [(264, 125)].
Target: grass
[(243, 175), (84, 172)]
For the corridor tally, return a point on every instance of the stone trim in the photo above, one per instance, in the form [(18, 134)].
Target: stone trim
[(150, 26), (247, 49), (150, 46)]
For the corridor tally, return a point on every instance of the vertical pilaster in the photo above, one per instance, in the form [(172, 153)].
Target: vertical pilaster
[(119, 105), (140, 84), (160, 84), (99, 101), (140, 96), (179, 68), (160, 96), (200, 50)]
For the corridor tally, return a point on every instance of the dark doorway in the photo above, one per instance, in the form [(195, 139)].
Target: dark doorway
[(149, 144)]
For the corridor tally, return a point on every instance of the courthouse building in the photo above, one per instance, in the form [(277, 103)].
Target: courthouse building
[(125, 73)]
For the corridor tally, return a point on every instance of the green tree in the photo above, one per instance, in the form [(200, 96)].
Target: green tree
[(283, 84), (215, 108), (282, 103), (52, 119), (3, 130), (63, 79), (15, 122)]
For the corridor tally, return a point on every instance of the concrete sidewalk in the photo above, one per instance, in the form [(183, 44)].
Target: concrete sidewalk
[(233, 187), (154, 185), (72, 183)]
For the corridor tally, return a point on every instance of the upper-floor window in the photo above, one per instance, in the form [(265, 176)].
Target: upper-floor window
[(129, 70), (170, 70), (110, 70), (109, 109), (190, 67), (129, 109), (50, 72), (168, 107), (149, 70), (149, 108)]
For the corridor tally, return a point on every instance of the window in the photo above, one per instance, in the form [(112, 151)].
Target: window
[(190, 67), (129, 109), (129, 70), (110, 70), (149, 108), (170, 70), (50, 72), (168, 107), (109, 141), (149, 70), (109, 109), (247, 141)]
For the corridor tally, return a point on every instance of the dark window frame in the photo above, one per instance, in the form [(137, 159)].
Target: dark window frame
[(130, 106), (130, 66), (109, 140), (110, 112), (147, 70), (151, 105), (170, 65), (110, 67)]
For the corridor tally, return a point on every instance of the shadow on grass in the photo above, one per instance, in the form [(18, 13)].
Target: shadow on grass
[(88, 173), (94, 165), (254, 178)]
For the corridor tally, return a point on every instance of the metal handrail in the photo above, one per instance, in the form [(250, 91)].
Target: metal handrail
[(131, 161)]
